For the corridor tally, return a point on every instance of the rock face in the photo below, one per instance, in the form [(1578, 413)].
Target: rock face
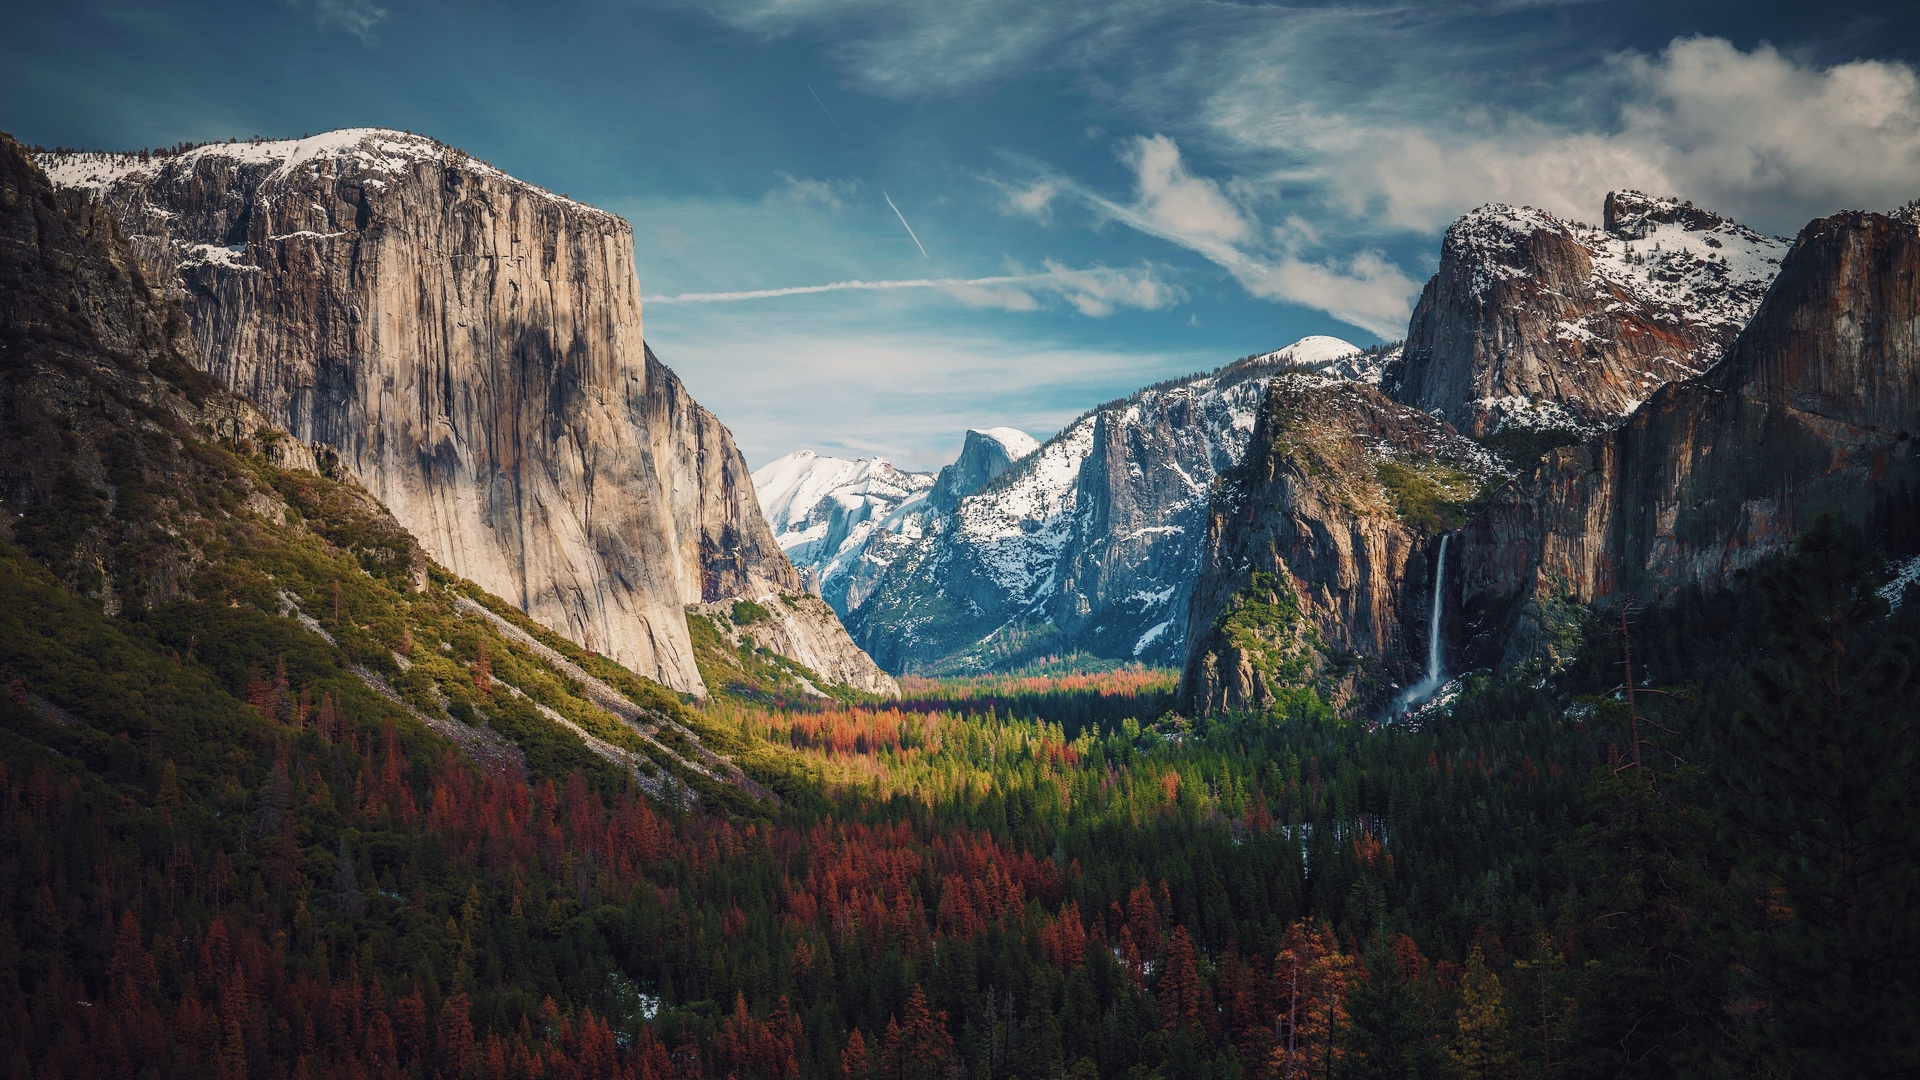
[(805, 630), (1320, 548), (470, 346), (1532, 323), (983, 457), (106, 475), (836, 519), (1090, 543), (1816, 407)]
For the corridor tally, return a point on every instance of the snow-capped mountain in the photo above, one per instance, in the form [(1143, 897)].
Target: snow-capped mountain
[(1089, 543), (986, 454), (825, 510), (1534, 322), (843, 522)]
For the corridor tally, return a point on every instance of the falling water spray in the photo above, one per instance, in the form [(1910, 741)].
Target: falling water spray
[(1420, 692)]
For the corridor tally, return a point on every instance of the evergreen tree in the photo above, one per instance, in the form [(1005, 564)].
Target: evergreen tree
[(1482, 1044), (1825, 807), (1396, 1022)]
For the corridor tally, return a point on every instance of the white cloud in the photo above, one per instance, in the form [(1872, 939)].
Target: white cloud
[(1467, 111), (1754, 134), (1095, 291), (832, 194), (1099, 290), (1170, 202), (1174, 200), (1034, 200), (356, 17)]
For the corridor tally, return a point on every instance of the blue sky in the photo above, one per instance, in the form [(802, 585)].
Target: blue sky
[(1107, 192)]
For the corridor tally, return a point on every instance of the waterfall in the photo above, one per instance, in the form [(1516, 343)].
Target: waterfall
[(1419, 692)]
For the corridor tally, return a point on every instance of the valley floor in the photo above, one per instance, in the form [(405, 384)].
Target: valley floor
[(228, 856)]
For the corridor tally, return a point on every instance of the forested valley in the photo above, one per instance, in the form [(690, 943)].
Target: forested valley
[(227, 856)]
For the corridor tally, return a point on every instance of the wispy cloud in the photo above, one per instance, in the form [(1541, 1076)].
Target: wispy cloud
[(1095, 291), (1757, 134), (356, 17), (1170, 202), (1468, 110), (832, 194), (908, 395)]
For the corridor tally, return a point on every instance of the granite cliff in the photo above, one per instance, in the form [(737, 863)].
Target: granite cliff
[(469, 346), (1779, 382), (1321, 548), (214, 542), (1815, 407), (1536, 329)]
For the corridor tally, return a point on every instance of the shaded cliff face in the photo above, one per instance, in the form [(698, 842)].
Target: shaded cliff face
[(101, 477), (471, 347), (984, 456), (1089, 544), (1320, 548), (1816, 407), (1537, 325)]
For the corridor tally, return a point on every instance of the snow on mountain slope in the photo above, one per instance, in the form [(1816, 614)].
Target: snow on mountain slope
[(1017, 443), (1534, 322), (1312, 351), (824, 510), (368, 150), (1087, 544)]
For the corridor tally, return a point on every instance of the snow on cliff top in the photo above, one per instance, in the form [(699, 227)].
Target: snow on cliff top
[(1311, 351), (1678, 260), (790, 487), (1017, 443), (380, 150)]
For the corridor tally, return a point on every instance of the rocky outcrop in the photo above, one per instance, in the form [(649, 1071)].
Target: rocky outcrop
[(984, 456), (470, 347), (98, 405), (1089, 544), (1816, 407), (1537, 325), (805, 630), (1321, 546)]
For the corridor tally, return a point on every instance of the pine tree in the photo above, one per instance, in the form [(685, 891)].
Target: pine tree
[(1825, 804), (1180, 991), (853, 1059), (1482, 1045), (1395, 1024)]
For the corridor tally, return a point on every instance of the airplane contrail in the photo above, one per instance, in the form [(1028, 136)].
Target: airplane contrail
[(903, 221), (823, 108), (842, 286)]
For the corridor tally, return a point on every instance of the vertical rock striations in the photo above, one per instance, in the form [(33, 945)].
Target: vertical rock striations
[(1816, 407), (470, 346), (1536, 325), (1319, 552)]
